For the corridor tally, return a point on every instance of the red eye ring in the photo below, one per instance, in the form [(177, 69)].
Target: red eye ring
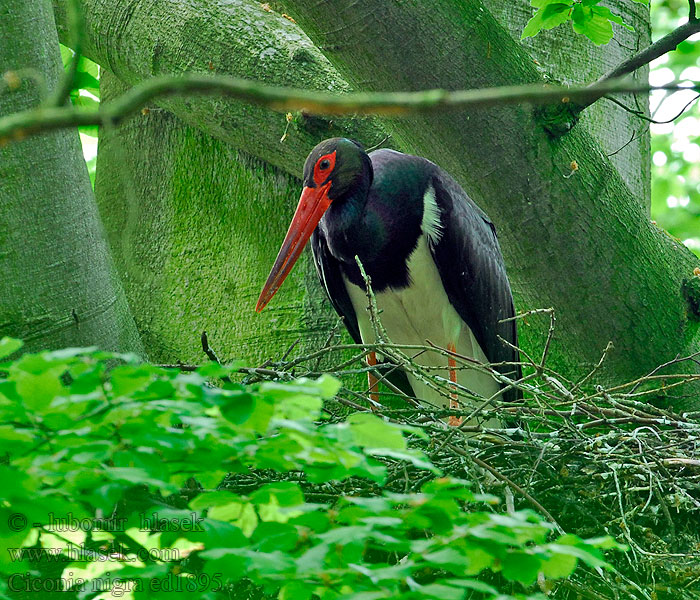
[(323, 166)]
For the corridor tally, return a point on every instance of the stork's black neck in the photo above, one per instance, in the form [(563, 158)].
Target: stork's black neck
[(379, 220)]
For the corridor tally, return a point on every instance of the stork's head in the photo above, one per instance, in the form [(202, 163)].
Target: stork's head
[(335, 170)]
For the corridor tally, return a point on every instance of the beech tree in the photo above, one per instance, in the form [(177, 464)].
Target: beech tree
[(195, 192), (58, 284)]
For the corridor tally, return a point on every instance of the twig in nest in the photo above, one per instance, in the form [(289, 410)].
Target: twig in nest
[(550, 335), (654, 371), (289, 350), (208, 350), (379, 331), (592, 372), (498, 475)]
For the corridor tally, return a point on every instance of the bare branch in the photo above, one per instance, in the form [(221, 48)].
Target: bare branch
[(641, 115), (396, 104), (75, 23), (666, 44)]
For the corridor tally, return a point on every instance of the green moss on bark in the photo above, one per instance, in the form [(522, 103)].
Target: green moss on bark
[(195, 226)]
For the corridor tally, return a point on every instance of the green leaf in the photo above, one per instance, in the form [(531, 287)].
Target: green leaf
[(230, 561), (85, 81), (239, 407), (547, 17), (219, 371), (521, 566), (128, 379), (39, 389), (9, 345), (543, 3), (606, 542), (446, 557), (271, 536), (442, 592), (66, 54), (415, 457), (595, 23), (606, 13), (370, 431), (270, 563), (135, 476), (209, 499), (83, 101), (85, 65), (478, 559), (590, 556), (473, 584), (285, 493), (559, 565), (295, 591)]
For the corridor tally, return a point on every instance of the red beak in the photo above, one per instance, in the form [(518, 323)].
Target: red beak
[(314, 202)]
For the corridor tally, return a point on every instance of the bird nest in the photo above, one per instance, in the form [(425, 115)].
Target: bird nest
[(593, 460)]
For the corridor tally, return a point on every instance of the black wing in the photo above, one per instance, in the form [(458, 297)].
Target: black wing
[(331, 275), (473, 273)]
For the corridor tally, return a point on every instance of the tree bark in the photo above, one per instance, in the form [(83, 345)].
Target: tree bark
[(194, 226), (58, 286), (580, 241), (181, 279), (563, 56), (138, 40)]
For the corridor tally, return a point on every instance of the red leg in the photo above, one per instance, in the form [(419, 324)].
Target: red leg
[(372, 381), (453, 421)]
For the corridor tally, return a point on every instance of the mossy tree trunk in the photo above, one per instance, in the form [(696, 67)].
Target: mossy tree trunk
[(193, 225), (194, 221), (57, 283), (564, 57)]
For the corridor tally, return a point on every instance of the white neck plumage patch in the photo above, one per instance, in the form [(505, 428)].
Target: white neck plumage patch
[(431, 225)]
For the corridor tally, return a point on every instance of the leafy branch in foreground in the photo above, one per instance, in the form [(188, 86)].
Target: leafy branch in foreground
[(116, 472)]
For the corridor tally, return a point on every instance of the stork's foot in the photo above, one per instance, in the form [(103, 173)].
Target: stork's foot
[(453, 421), (372, 382)]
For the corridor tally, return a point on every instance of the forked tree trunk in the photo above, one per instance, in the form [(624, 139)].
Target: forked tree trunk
[(581, 242)]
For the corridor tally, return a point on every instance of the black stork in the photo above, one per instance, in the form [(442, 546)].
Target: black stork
[(430, 252)]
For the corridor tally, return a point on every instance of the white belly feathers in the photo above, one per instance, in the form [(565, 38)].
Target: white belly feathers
[(423, 312)]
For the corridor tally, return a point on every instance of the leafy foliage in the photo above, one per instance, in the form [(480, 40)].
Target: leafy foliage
[(111, 478), (587, 18), (675, 192), (85, 92)]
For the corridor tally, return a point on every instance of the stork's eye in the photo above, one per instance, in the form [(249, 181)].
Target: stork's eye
[(323, 168)]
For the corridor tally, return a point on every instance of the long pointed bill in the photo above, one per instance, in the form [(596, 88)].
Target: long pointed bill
[(314, 202)]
